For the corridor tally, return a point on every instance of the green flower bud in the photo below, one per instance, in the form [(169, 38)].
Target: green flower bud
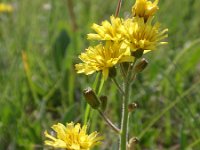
[(91, 98)]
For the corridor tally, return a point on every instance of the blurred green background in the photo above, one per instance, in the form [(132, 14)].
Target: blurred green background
[(39, 45)]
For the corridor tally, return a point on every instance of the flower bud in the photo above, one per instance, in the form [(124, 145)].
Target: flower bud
[(145, 8), (132, 142), (104, 101), (91, 98), (138, 53), (132, 107), (141, 65)]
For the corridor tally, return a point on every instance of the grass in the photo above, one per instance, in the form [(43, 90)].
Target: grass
[(50, 91)]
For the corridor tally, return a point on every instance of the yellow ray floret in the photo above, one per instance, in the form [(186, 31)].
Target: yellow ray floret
[(102, 58), (107, 30), (144, 35), (72, 137), (144, 8), (5, 8)]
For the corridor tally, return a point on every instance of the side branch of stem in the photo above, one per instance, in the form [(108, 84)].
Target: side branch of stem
[(118, 86), (117, 130)]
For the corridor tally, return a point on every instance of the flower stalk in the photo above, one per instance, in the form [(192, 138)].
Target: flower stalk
[(125, 101), (124, 120), (118, 8)]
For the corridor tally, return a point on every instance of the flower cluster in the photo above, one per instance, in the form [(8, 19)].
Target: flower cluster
[(72, 137), (120, 38)]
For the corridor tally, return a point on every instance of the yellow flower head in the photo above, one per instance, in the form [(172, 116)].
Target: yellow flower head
[(107, 30), (72, 137), (102, 58), (143, 35), (5, 8), (145, 8)]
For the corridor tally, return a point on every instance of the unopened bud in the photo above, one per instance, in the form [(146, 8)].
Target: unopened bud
[(132, 107), (112, 72), (104, 101), (138, 53), (132, 142), (91, 98), (141, 65)]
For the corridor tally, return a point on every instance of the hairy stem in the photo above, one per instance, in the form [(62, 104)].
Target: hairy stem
[(124, 121)]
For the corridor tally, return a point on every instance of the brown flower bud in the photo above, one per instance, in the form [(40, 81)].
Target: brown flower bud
[(132, 107), (141, 65), (132, 142), (91, 98), (104, 101)]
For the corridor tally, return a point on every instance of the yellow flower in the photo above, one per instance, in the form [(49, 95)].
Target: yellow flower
[(5, 8), (145, 8), (102, 58), (72, 137), (143, 35), (107, 30)]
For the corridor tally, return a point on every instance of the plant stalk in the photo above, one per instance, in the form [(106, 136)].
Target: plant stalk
[(124, 121), (118, 8), (72, 15)]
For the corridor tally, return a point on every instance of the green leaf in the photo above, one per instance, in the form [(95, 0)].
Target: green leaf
[(60, 47)]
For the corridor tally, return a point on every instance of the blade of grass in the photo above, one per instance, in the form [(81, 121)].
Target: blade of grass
[(178, 99), (193, 144)]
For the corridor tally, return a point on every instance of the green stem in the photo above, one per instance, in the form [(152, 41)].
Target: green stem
[(124, 121), (87, 112), (93, 112), (125, 113), (100, 86)]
